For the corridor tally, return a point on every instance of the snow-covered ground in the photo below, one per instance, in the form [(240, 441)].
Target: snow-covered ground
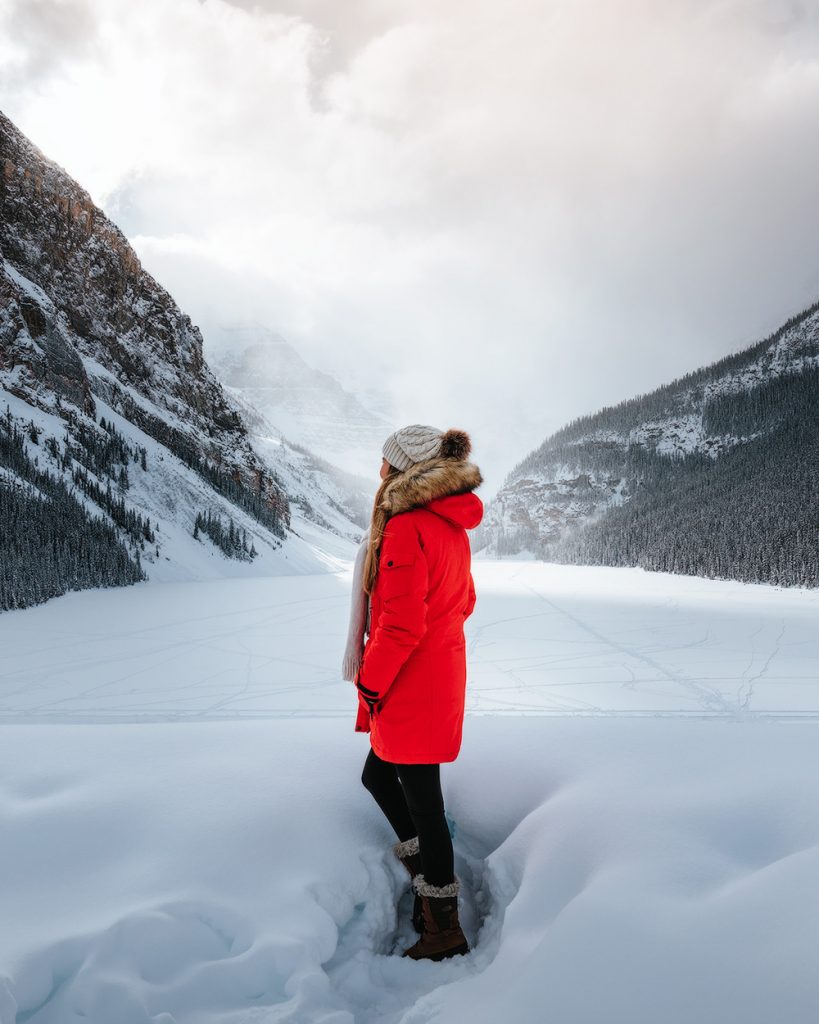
[(543, 638), (635, 817)]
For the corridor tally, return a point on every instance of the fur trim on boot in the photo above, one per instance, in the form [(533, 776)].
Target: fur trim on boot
[(409, 853), (407, 847), (425, 888), (442, 936)]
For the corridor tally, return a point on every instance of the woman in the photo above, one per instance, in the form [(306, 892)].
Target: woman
[(413, 576)]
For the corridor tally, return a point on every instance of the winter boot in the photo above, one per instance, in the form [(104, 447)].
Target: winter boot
[(442, 936), (409, 854)]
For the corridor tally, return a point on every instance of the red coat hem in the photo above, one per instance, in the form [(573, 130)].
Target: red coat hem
[(429, 758)]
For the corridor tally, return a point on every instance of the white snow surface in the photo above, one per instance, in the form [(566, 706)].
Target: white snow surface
[(634, 811)]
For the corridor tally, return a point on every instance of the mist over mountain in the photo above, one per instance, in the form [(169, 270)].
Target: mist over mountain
[(714, 474), (303, 404)]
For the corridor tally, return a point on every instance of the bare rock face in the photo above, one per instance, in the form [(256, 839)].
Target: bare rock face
[(36, 359), (80, 317)]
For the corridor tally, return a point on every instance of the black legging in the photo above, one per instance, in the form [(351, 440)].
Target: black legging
[(411, 799)]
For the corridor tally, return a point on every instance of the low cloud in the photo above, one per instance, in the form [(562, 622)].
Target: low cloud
[(504, 215)]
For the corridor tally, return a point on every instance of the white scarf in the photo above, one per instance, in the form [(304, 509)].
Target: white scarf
[(359, 616)]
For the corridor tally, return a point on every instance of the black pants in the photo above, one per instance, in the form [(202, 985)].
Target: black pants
[(411, 799)]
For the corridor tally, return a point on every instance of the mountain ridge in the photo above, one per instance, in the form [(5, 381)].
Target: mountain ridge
[(597, 489)]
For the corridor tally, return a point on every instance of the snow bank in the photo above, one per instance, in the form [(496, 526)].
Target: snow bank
[(633, 871)]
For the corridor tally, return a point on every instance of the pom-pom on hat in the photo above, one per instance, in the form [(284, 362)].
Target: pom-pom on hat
[(419, 442)]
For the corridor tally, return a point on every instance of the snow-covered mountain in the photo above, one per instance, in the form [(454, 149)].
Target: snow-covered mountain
[(121, 454), (714, 474), (304, 405), (319, 491)]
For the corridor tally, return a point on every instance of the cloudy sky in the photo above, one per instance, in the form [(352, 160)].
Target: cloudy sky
[(497, 216)]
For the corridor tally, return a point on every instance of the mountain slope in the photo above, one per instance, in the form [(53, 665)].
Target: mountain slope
[(109, 414), (713, 474), (319, 491), (308, 407)]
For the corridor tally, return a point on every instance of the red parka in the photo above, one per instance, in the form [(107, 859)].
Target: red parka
[(412, 678)]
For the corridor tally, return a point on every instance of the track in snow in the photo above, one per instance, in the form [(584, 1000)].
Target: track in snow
[(544, 639)]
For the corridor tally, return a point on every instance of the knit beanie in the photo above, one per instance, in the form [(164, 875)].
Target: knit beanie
[(418, 442)]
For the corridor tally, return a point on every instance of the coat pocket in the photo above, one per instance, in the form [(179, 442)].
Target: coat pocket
[(396, 576)]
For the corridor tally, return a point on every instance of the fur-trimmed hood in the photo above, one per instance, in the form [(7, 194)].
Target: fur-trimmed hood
[(444, 486)]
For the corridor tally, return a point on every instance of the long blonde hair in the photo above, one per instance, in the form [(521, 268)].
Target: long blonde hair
[(378, 524)]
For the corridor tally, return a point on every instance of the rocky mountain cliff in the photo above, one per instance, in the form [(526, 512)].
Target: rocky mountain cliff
[(716, 473), (117, 442)]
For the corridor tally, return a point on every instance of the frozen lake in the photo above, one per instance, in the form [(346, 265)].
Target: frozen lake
[(634, 811), (543, 639)]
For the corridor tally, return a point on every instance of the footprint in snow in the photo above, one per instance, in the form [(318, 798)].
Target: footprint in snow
[(381, 924)]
